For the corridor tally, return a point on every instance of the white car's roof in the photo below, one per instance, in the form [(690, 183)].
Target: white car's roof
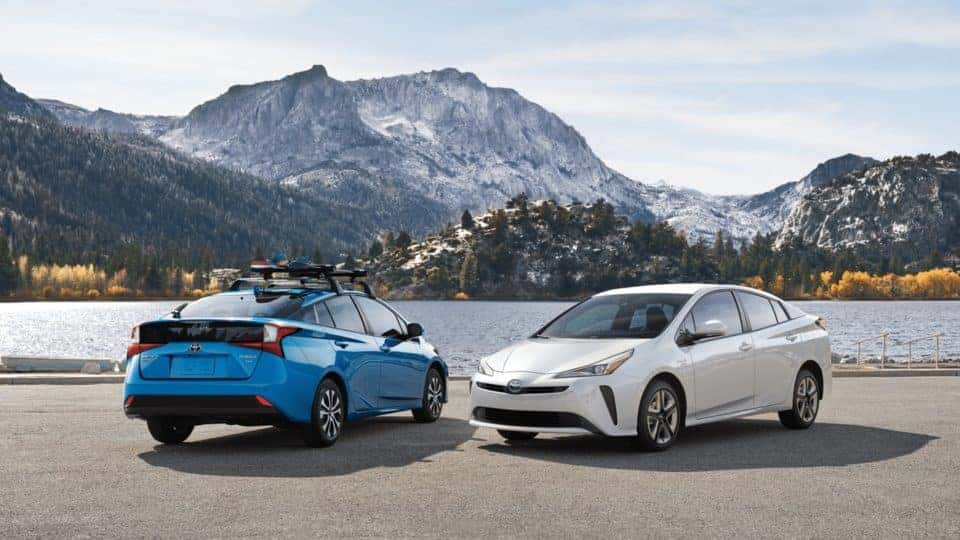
[(666, 288)]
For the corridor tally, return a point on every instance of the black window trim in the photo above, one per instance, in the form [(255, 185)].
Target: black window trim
[(783, 307), (369, 329), (316, 309), (771, 299), (747, 317), (363, 319), (743, 326), (400, 318)]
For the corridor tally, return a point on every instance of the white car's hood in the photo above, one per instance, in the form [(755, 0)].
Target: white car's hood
[(555, 355)]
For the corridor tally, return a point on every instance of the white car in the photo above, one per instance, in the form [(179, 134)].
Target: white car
[(649, 361)]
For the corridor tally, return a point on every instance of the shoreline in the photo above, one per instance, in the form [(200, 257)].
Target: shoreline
[(22, 300)]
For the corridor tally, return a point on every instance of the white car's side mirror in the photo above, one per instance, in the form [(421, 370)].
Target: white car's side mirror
[(711, 329)]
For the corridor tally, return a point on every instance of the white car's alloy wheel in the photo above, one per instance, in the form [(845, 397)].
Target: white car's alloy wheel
[(807, 399), (662, 416), (660, 421)]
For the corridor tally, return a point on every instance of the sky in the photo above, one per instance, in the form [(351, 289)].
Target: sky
[(723, 97)]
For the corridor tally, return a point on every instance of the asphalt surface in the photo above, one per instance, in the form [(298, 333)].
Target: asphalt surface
[(882, 460)]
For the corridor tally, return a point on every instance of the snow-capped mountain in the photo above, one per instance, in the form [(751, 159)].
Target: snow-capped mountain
[(443, 136), (417, 149), (103, 119), (771, 208), (905, 206), (15, 103)]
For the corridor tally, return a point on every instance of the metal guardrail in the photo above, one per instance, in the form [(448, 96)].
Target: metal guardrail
[(883, 356), (884, 337)]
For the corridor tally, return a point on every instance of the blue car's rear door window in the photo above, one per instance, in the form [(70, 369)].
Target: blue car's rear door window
[(345, 314), (323, 315)]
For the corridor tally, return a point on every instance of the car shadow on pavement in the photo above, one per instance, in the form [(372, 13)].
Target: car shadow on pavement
[(737, 444), (388, 441)]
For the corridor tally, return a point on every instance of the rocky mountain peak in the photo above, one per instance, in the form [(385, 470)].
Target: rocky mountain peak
[(905, 206), (14, 102), (838, 166)]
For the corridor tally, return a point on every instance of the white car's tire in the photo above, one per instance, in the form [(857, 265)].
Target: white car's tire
[(659, 419), (806, 402)]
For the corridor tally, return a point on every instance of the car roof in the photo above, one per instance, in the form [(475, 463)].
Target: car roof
[(665, 288), (308, 292), (680, 288)]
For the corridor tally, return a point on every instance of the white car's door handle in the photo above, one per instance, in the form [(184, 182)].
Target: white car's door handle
[(792, 337), (745, 346)]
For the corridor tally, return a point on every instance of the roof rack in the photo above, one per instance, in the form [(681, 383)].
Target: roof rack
[(308, 273)]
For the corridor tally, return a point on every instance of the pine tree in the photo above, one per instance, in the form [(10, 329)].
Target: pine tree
[(376, 249), (403, 240), (466, 220), (176, 283), (349, 262), (153, 279), (469, 274), (8, 270)]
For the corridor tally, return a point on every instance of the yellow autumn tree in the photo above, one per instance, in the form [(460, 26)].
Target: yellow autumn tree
[(755, 282)]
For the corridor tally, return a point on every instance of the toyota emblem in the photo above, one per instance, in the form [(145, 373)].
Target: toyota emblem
[(195, 347), (514, 387)]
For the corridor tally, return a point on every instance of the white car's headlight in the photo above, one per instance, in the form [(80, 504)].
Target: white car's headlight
[(603, 367), (483, 368)]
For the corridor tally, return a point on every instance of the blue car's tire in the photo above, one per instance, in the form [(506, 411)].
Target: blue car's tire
[(169, 430), (431, 405), (326, 421)]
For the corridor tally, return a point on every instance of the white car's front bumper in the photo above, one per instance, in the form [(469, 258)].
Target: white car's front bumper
[(579, 408)]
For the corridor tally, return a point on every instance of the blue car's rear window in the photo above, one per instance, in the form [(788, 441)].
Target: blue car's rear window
[(242, 305)]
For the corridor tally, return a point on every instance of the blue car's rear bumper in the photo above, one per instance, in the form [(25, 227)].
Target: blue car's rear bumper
[(284, 398)]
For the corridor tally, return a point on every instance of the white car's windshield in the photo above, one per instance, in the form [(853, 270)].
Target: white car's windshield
[(617, 316)]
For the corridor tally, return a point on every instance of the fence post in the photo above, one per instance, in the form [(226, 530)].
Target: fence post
[(936, 340), (883, 355), (859, 361), (909, 353)]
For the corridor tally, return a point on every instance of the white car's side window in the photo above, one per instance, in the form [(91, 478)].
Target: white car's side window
[(717, 306), (759, 310)]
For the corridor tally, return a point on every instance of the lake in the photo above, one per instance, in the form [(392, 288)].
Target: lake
[(463, 331)]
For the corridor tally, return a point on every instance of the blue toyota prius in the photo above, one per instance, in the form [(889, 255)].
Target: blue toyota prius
[(299, 349)]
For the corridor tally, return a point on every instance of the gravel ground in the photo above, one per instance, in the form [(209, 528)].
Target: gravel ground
[(882, 460)]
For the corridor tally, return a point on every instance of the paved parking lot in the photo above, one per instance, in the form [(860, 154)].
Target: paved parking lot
[(883, 459)]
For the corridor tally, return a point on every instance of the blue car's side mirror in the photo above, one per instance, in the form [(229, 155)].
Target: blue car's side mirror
[(414, 330)]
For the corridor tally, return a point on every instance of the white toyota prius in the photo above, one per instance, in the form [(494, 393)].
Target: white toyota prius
[(649, 361)]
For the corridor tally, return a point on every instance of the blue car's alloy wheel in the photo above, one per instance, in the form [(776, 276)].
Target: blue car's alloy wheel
[(432, 404), (328, 414)]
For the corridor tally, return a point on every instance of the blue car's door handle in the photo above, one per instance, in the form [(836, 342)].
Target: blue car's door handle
[(342, 344)]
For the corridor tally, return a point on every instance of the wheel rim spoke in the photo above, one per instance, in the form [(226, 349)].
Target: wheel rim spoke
[(330, 413), (807, 399), (434, 398), (663, 416)]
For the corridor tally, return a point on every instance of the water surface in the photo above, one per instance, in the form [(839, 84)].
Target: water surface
[(463, 331)]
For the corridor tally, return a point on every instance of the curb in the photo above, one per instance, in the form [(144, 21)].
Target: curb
[(930, 372), (51, 378)]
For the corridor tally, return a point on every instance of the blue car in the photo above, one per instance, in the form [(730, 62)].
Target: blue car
[(300, 350)]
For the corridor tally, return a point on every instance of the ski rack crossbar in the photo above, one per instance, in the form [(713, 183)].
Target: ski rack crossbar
[(309, 271)]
